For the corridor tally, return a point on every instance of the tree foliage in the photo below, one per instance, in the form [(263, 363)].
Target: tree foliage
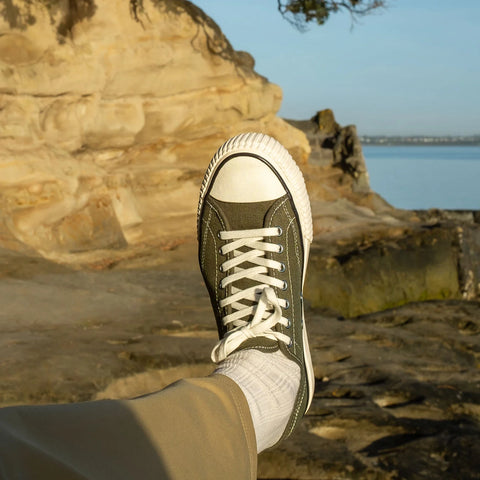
[(302, 12)]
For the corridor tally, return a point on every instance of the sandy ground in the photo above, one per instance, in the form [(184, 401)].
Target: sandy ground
[(66, 334)]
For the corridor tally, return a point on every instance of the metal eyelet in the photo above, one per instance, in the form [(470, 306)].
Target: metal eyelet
[(279, 231), (282, 268), (287, 305), (285, 285), (220, 286), (220, 251), (290, 344), (280, 248), (218, 235), (221, 268), (289, 324)]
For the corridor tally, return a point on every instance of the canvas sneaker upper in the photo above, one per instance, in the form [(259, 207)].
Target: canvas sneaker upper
[(254, 232)]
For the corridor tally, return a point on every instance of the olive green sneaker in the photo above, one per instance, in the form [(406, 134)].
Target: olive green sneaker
[(254, 228)]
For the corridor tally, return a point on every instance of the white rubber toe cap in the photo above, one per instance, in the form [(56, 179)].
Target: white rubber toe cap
[(245, 179)]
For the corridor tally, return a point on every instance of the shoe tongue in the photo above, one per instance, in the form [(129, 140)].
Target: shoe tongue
[(245, 216)]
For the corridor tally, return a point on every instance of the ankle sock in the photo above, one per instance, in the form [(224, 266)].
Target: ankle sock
[(270, 382)]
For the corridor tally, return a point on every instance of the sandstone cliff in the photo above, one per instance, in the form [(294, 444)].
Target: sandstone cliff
[(109, 113)]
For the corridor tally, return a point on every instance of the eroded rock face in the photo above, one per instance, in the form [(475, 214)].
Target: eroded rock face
[(109, 115), (336, 147)]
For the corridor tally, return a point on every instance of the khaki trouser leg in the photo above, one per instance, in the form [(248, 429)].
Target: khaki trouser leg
[(194, 429)]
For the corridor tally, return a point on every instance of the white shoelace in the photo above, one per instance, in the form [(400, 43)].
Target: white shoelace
[(249, 246)]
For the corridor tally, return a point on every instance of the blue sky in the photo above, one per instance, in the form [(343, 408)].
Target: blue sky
[(411, 69)]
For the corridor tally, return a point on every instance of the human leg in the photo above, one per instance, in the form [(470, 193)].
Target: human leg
[(172, 434)]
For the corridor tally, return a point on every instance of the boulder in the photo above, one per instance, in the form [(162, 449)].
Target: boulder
[(325, 122), (355, 278), (336, 149), (109, 113)]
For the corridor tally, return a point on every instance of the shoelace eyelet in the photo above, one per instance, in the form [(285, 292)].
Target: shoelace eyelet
[(280, 231), (287, 305), (280, 248), (221, 268), (285, 286), (282, 268), (290, 344), (289, 324)]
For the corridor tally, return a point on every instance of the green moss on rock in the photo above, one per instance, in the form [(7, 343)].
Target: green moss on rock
[(418, 267)]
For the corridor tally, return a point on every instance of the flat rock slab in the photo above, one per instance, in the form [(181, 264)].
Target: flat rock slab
[(397, 396), (66, 334), (397, 392)]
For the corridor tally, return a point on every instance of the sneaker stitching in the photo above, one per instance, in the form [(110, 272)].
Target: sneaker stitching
[(294, 238), (271, 222), (276, 209), (209, 230), (216, 269), (294, 339), (275, 275), (299, 402), (212, 208), (220, 219), (204, 246), (263, 347), (295, 414), (274, 272), (291, 224)]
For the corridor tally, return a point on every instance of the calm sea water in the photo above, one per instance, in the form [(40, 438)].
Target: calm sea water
[(422, 177)]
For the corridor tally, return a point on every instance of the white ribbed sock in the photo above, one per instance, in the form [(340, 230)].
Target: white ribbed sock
[(270, 383)]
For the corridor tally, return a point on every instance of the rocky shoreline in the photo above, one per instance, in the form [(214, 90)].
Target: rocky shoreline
[(369, 256), (438, 258), (397, 392)]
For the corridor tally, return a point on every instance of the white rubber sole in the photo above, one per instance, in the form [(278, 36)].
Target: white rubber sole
[(278, 158)]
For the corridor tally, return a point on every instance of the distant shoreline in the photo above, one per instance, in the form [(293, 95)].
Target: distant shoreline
[(428, 141)]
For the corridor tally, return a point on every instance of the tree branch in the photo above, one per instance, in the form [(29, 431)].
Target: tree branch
[(300, 12)]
